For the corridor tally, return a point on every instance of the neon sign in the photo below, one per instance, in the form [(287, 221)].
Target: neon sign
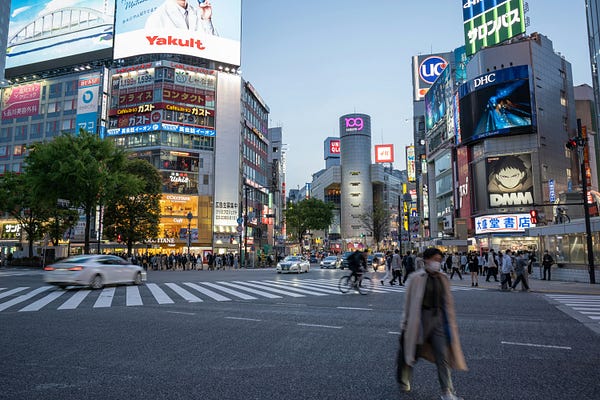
[(354, 124)]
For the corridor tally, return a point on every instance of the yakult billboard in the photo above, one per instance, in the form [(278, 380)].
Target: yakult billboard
[(198, 28)]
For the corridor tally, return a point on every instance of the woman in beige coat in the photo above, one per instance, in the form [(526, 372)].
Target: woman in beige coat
[(429, 327)]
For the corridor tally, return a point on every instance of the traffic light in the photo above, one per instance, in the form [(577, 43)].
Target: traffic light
[(533, 216), (119, 238), (571, 144)]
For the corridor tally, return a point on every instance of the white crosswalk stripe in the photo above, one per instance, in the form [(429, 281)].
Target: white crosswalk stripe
[(191, 292), (586, 305), (106, 297), (159, 294), (184, 293)]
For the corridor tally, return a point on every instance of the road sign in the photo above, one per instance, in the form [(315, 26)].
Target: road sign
[(240, 220), (240, 228)]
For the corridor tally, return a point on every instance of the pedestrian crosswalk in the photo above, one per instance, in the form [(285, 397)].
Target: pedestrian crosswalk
[(30, 299), (585, 305), (20, 272)]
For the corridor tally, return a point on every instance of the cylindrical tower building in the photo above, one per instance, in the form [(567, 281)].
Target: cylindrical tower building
[(356, 191)]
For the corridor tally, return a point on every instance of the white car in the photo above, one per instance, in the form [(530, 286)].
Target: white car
[(297, 264), (94, 271), (330, 262)]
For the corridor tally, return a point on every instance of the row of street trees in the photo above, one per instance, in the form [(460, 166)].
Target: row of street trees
[(86, 172), (313, 214)]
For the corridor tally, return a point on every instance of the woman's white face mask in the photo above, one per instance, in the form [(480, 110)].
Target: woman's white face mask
[(435, 265)]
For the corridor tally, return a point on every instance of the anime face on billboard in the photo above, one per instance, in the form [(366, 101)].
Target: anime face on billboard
[(510, 181)]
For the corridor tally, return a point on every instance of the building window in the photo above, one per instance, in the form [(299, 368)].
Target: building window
[(21, 132), (55, 90), (563, 98), (205, 179), (19, 150), (3, 151)]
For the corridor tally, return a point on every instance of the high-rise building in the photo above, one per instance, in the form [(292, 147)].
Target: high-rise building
[(177, 103), (4, 20)]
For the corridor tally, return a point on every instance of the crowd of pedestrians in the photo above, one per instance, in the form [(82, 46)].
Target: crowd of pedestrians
[(508, 267), (185, 262)]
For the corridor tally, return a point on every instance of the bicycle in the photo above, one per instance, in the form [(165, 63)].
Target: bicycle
[(363, 284)]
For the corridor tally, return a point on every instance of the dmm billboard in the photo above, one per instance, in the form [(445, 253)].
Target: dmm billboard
[(49, 29), (487, 23), (496, 103), (509, 181), (199, 28)]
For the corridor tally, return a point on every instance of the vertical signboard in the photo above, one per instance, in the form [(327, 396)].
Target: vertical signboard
[(87, 102), (411, 163), (489, 22), (510, 181)]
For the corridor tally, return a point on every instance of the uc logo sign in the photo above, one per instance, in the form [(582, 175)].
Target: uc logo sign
[(431, 68), (354, 124)]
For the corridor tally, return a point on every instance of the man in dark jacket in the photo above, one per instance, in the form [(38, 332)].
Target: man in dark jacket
[(547, 262)]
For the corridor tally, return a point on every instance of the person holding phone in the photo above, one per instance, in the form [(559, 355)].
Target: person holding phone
[(194, 15)]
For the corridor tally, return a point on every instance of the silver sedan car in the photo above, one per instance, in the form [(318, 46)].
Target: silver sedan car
[(296, 264), (94, 271), (330, 262)]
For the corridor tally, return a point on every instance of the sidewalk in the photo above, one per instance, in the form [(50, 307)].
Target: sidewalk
[(536, 285)]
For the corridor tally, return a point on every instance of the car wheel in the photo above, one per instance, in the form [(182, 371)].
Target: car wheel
[(138, 279), (97, 282)]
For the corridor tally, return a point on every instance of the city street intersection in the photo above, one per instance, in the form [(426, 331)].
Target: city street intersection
[(253, 334)]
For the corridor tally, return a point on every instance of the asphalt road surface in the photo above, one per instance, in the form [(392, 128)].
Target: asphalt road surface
[(253, 334)]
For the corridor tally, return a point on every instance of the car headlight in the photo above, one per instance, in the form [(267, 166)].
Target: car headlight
[(278, 265)]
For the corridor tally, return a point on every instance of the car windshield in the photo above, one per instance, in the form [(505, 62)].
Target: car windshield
[(330, 258), (76, 260), (347, 254), (292, 258)]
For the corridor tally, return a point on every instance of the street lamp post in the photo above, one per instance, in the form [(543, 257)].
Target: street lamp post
[(581, 143), (189, 235)]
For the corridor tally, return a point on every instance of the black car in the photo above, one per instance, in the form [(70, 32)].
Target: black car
[(344, 263)]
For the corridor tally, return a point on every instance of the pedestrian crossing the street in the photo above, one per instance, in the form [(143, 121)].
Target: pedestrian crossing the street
[(30, 299), (585, 305)]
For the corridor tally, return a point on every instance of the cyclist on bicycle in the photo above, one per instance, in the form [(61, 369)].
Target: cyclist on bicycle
[(358, 264)]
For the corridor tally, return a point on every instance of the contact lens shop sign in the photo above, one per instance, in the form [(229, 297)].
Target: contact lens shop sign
[(502, 223)]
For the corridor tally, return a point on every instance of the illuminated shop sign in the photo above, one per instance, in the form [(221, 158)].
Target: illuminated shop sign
[(502, 223), (334, 147), (494, 25), (179, 177), (191, 130), (87, 102), (201, 112), (10, 231), (411, 165), (384, 153), (431, 67), (21, 101), (354, 124)]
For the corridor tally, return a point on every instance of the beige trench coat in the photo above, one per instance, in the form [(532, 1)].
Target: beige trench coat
[(412, 327)]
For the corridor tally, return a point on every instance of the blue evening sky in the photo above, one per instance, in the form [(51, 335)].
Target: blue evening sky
[(315, 60)]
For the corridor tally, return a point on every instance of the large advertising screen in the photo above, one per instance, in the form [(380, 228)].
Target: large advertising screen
[(438, 99), (489, 22), (509, 181), (497, 103), (50, 29), (198, 28), (21, 101)]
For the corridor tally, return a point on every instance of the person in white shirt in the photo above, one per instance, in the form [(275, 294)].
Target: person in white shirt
[(182, 14)]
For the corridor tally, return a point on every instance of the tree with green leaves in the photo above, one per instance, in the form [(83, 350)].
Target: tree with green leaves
[(134, 213), (82, 169), (377, 222), (19, 201), (306, 215)]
